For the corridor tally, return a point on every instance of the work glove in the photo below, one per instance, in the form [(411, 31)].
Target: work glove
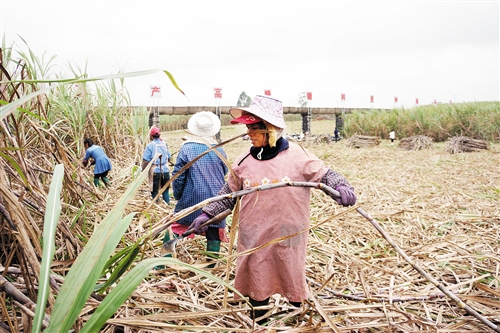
[(196, 225), (347, 196)]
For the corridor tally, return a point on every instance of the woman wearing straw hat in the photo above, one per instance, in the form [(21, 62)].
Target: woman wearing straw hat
[(267, 215), (203, 179)]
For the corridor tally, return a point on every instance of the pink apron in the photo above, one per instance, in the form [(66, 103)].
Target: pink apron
[(271, 214)]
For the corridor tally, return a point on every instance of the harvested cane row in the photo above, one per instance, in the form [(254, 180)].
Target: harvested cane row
[(424, 199), (440, 208)]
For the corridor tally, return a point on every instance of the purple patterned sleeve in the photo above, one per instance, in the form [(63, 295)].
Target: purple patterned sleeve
[(334, 179), (219, 206)]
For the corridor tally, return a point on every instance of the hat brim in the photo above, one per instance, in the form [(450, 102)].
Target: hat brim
[(246, 119), (263, 107)]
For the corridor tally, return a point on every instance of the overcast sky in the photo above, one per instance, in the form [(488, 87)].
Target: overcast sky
[(430, 50)]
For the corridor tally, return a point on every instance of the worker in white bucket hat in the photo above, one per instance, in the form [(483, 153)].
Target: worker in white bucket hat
[(202, 180)]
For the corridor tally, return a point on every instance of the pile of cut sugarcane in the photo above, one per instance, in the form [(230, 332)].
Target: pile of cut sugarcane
[(362, 141), (416, 142), (463, 144)]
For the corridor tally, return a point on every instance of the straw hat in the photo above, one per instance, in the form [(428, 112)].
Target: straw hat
[(204, 123), (264, 107)]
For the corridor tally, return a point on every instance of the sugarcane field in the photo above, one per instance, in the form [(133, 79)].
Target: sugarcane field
[(88, 243), (419, 252), (302, 166)]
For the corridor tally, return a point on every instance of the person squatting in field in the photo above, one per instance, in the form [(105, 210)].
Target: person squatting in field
[(267, 215), (101, 162)]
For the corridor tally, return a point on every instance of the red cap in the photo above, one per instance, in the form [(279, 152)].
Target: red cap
[(246, 119), (155, 131)]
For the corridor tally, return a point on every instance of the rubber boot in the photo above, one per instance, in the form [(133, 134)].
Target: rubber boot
[(166, 238), (106, 181), (213, 246), (96, 182), (258, 313)]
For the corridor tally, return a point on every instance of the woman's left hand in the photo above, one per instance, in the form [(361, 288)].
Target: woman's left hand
[(347, 196)]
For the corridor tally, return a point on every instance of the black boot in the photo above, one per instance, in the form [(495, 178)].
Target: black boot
[(258, 313)]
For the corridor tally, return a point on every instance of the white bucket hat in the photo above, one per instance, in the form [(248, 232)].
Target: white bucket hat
[(264, 107), (204, 123)]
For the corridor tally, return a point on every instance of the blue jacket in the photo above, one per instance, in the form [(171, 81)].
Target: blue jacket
[(102, 162), (157, 146)]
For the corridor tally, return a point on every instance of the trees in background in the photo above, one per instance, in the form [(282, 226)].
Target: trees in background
[(244, 100)]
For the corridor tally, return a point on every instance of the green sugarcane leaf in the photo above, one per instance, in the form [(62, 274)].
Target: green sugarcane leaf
[(79, 213), (97, 78), (129, 283), (108, 267), (16, 166), (52, 213), (80, 281), (171, 77), (82, 79), (9, 108), (82, 277), (34, 115), (121, 267)]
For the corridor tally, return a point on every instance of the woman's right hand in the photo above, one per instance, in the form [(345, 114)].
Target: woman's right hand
[(196, 225)]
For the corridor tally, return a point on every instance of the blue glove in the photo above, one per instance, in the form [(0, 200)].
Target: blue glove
[(196, 225), (347, 196)]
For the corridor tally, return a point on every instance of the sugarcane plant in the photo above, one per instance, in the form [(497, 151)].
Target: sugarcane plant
[(58, 113), (81, 279)]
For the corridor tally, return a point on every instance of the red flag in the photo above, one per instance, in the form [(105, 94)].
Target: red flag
[(416, 100), (342, 97), (217, 92), (309, 96), (267, 92), (371, 99), (395, 99), (155, 91)]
